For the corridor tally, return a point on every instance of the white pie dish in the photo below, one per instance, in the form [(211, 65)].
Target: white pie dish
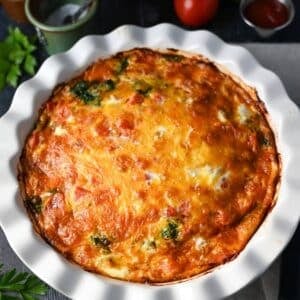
[(267, 243)]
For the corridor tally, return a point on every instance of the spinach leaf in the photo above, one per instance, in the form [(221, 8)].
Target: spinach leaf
[(142, 87), (173, 57), (101, 241), (122, 65), (170, 232), (107, 85), (91, 92), (80, 89), (35, 204)]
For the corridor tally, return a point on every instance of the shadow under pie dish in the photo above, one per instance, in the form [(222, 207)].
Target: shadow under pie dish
[(150, 167), (156, 165)]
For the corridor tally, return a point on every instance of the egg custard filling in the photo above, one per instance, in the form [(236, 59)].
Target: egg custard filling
[(150, 166)]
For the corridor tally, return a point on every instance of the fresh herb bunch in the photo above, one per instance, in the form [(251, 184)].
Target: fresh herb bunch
[(14, 286), (15, 57)]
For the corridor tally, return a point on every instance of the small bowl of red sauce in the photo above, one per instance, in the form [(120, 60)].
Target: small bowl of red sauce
[(267, 16)]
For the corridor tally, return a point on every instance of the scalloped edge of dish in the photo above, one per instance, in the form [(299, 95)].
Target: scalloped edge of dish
[(266, 244)]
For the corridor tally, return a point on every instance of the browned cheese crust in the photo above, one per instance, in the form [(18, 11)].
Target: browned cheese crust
[(150, 167)]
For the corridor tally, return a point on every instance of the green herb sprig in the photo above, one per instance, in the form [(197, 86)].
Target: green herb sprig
[(14, 286), (15, 57)]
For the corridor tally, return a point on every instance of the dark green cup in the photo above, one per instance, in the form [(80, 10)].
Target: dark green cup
[(47, 18)]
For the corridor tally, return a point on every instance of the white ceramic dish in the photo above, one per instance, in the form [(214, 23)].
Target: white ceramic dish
[(260, 252)]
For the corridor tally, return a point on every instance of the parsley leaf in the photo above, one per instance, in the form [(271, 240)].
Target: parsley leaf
[(30, 64), (13, 74), (2, 81), (15, 57), (4, 66), (21, 285)]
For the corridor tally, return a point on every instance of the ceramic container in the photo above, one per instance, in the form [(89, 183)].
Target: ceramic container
[(267, 32), (48, 19)]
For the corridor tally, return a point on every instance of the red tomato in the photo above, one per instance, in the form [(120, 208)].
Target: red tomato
[(195, 12)]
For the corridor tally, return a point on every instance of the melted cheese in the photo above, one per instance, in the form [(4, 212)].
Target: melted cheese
[(199, 242), (221, 116), (59, 131), (243, 113), (112, 100), (204, 175)]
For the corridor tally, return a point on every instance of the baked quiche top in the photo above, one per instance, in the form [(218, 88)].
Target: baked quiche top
[(150, 166)]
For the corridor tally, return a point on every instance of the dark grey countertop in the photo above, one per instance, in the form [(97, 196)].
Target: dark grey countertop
[(227, 23), (284, 60)]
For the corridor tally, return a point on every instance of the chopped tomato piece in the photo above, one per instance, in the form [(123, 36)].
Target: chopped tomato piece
[(81, 192), (125, 124), (103, 128), (136, 99)]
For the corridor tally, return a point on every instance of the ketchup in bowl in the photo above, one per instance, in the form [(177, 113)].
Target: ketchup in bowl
[(267, 13)]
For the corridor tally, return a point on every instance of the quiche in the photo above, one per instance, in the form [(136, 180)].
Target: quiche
[(151, 166)]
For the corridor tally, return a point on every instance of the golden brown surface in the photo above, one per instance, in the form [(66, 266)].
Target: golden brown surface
[(150, 167)]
